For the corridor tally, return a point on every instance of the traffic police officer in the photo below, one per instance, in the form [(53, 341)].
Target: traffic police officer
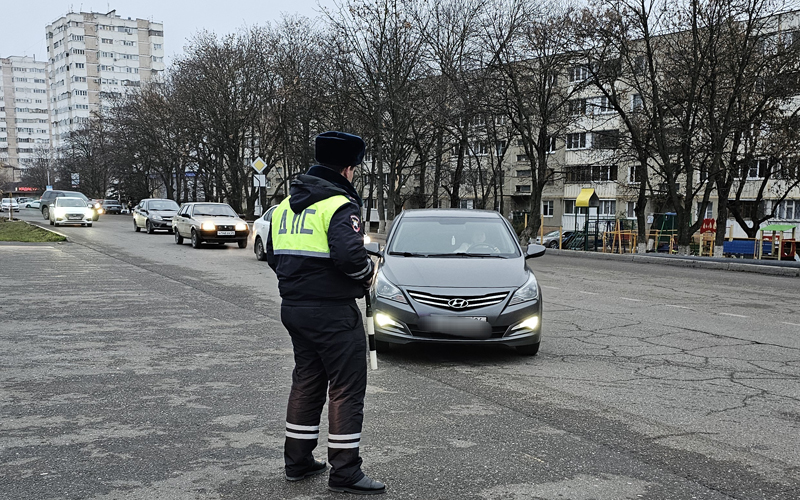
[(316, 248)]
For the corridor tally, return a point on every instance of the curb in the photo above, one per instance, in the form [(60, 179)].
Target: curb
[(66, 238), (788, 270)]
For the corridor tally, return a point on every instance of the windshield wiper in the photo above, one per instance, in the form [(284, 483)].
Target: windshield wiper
[(463, 254), (409, 254)]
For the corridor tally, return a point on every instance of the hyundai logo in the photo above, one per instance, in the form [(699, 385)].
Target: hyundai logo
[(458, 303)]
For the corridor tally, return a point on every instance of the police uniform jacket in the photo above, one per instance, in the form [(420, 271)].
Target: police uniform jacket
[(310, 265)]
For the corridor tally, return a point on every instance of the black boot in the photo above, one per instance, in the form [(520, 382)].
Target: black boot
[(365, 486), (316, 468)]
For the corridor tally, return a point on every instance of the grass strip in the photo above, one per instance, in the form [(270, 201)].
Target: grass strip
[(28, 233)]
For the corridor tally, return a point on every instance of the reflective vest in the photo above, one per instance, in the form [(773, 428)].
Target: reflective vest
[(306, 233)]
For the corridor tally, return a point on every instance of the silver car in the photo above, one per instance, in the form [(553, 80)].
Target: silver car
[(153, 214), (456, 277), (206, 222)]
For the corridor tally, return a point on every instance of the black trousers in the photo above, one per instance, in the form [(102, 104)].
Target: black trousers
[(330, 356)]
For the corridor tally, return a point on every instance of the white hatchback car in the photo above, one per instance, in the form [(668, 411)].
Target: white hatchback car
[(66, 210), (261, 232)]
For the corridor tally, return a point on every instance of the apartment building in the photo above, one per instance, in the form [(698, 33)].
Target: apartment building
[(94, 58), (24, 118)]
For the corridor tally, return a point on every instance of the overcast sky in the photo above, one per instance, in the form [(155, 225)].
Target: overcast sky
[(22, 23)]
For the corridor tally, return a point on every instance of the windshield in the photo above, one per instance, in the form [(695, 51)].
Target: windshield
[(71, 202), (111, 202), (216, 210), (452, 236), (164, 205)]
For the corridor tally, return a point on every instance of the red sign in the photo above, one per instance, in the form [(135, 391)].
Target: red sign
[(23, 188)]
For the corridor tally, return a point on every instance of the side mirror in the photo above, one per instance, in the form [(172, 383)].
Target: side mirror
[(373, 248), (534, 250)]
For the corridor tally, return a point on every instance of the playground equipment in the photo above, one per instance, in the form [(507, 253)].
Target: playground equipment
[(781, 247), (625, 237)]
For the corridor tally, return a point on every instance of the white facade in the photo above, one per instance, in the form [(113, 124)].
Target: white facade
[(24, 117), (94, 58)]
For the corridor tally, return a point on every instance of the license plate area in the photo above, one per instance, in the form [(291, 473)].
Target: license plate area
[(74, 217), (226, 233)]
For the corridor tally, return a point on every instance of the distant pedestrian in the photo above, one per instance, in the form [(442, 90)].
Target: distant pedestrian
[(316, 248)]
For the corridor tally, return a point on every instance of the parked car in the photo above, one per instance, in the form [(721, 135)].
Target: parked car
[(111, 206), (33, 204), (154, 213), (456, 277), (48, 197), (67, 210), (8, 205), (260, 232), (550, 240), (206, 222)]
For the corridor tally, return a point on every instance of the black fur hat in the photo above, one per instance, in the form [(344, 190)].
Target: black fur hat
[(339, 149)]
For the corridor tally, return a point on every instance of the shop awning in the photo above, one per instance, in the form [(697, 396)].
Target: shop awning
[(587, 198)]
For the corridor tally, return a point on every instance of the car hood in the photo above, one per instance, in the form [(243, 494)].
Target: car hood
[(455, 272), (222, 221), (165, 213)]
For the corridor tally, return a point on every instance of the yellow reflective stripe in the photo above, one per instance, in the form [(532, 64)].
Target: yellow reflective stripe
[(305, 233)]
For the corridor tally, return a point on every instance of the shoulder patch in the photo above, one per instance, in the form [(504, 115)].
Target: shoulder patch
[(355, 221)]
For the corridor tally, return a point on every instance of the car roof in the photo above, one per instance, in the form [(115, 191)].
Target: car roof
[(465, 213)]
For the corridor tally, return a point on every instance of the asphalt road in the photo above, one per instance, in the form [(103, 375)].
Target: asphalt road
[(134, 368)]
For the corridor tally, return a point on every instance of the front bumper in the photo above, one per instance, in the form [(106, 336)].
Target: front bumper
[(73, 219), (161, 224), (410, 326), (215, 236)]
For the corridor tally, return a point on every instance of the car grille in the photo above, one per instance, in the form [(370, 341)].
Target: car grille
[(225, 228), (497, 332), (458, 303)]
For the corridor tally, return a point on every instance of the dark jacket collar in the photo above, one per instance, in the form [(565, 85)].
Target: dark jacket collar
[(317, 184)]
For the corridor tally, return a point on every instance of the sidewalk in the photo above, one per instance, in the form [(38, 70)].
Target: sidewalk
[(771, 267)]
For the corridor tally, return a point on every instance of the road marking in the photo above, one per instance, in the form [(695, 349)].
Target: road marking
[(790, 324), (632, 300), (734, 315), (587, 293), (215, 319), (679, 307), (551, 287)]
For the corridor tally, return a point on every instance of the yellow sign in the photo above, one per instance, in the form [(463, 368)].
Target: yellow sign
[(259, 165)]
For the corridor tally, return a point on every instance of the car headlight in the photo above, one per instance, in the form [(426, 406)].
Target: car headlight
[(97, 205), (241, 226), (59, 212), (89, 213), (156, 217), (208, 226), (384, 288), (527, 292)]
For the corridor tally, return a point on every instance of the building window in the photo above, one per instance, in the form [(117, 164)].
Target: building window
[(524, 173), (470, 204), (551, 144), (500, 148), (605, 139), (591, 173), (576, 107), (607, 207), (634, 175), (758, 169), (708, 214), (571, 209), (479, 149), (788, 209), (523, 188), (522, 157), (576, 141), (636, 102), (578, 73), (547, 208), (106, 40), (630, 211)]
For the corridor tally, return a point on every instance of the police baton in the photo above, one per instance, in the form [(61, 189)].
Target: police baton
[(373, 355)]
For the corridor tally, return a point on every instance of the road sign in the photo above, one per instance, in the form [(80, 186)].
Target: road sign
[(259, 165), (260, 181)]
